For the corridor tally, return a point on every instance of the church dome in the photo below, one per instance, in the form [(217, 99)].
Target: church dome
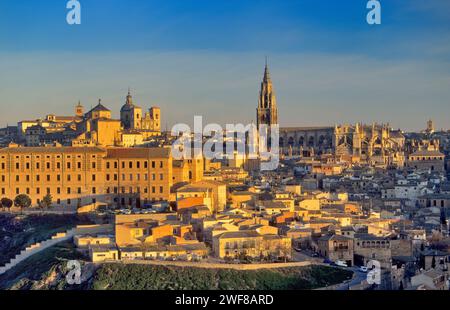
[(128, 106)]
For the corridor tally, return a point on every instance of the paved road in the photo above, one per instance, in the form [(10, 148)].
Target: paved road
[(358, 277)]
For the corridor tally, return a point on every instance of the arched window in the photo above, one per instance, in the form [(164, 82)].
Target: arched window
[(291, 141), (301, 141)]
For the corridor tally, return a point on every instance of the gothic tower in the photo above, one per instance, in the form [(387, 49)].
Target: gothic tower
[(267, 112)]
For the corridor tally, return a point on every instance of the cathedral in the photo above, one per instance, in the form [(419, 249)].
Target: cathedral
[(132, 118), (372, 144)]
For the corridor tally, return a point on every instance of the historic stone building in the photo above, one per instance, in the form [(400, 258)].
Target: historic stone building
[(267, 111), (306, 141), (78, 176), (375, 144), (132, 118)]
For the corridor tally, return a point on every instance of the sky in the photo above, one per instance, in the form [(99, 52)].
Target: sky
[(206, 57)]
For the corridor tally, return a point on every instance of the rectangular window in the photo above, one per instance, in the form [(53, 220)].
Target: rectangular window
[(153, 164)]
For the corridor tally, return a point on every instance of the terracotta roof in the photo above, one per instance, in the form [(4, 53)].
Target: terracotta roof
[(62, 149), (427, 153), (138, 153), (239, 234)]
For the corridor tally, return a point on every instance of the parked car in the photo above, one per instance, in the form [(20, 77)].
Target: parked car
[(363, 269), (327, 261), (341, 263)]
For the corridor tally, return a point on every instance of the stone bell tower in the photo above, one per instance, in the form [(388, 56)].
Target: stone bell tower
[(267, 112)]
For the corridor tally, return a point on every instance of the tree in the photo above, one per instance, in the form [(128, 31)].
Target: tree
[(22, 201), (47, 201), (6, 203)]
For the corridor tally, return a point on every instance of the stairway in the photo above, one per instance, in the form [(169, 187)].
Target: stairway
[(36, 248)]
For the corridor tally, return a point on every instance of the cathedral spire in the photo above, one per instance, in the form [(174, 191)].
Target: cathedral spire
[(266, 72), (267, 112)]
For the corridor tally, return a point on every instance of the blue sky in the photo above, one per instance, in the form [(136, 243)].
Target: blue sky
[(206, 57)]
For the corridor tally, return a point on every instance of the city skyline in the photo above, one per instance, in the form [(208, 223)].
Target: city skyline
[(340, 70)]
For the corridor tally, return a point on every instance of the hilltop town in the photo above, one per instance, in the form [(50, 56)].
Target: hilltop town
[(354, 197)]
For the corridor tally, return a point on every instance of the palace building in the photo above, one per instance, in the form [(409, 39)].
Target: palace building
[(79, 176)]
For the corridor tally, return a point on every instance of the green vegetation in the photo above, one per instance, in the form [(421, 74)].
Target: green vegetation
[(149, 277), (6, 203), (22, 201), (47, 201), (18, 232), (45, 270)]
